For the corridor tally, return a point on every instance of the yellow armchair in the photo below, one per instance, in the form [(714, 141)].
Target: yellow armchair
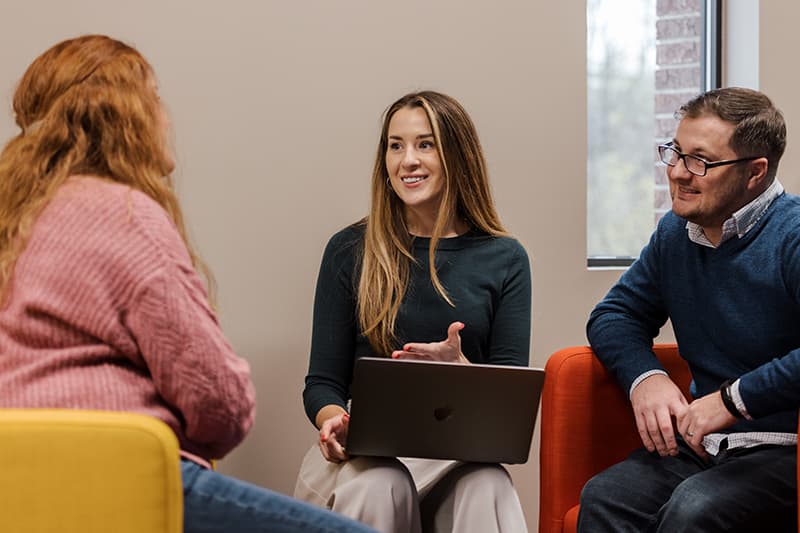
[(88, 471)]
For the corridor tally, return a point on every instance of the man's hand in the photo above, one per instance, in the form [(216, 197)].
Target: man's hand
[(655, 401), (703, 416)]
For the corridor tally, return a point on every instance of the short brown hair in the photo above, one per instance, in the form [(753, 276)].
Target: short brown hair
[(760, 128)]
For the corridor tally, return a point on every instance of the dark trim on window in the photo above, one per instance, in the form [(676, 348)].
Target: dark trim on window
[(609, 262), (711, 60)]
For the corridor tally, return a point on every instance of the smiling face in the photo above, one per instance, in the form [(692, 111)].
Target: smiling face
[(711, 199), (414, 167)]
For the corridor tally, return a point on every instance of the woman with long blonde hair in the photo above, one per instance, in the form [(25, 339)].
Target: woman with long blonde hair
[(431, 261), (102, 306)]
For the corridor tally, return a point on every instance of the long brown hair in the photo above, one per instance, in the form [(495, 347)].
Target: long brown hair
[(387, 257), (85, 106)]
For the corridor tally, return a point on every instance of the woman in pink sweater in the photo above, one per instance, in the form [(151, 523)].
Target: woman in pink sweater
[(101, 305)]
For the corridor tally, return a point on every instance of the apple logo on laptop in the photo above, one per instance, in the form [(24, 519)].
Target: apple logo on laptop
[(443, 413)]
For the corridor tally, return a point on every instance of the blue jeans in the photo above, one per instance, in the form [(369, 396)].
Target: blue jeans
[(214, 503), (743, 490)]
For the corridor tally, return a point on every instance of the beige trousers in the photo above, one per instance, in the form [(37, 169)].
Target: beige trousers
[(413, 495)]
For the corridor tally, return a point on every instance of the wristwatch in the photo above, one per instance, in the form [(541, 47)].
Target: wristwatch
[(727, 399)]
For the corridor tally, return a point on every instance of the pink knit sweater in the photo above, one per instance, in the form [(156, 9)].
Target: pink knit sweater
[(105, 311)]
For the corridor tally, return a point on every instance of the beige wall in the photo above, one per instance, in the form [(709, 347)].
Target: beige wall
[(779, 77), (276, 109)]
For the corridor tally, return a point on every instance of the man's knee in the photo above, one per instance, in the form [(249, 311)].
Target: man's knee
[(595, 491), (605, 503), (690, 506)]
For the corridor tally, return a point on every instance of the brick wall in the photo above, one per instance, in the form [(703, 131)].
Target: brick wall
[(679, 29)]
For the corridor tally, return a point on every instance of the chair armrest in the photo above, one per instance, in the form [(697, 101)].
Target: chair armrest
[(89, 471), (586, 426)]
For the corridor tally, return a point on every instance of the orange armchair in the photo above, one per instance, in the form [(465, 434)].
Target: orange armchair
[(586, 426)]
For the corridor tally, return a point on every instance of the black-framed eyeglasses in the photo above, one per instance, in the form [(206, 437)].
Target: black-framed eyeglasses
[(699, 167)]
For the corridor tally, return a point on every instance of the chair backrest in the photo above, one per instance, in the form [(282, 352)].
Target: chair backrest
[(88, 472), (586, 425)]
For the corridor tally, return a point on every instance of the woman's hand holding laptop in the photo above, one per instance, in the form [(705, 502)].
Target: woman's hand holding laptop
[(333, 433)]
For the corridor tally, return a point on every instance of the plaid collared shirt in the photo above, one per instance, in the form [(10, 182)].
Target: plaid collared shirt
[(741, 221)]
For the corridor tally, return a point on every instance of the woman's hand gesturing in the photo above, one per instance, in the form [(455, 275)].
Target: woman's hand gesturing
[(448, 350)]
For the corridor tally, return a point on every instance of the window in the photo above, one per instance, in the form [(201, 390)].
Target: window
[(644, 59)]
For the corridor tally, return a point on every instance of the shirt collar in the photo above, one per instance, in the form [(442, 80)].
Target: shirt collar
[(741, 221)]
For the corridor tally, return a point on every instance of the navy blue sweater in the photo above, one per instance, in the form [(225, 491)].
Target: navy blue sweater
[(735, 311), (488, 279)]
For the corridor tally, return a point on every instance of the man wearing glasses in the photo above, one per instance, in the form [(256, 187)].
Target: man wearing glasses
[(724, 266)]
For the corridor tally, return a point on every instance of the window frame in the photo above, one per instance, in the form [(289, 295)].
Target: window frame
[(711, 78)]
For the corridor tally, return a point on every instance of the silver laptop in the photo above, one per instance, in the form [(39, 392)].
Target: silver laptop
[(472, 413)]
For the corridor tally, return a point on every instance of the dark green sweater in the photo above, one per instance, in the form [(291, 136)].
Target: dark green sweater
[(487, 278)]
